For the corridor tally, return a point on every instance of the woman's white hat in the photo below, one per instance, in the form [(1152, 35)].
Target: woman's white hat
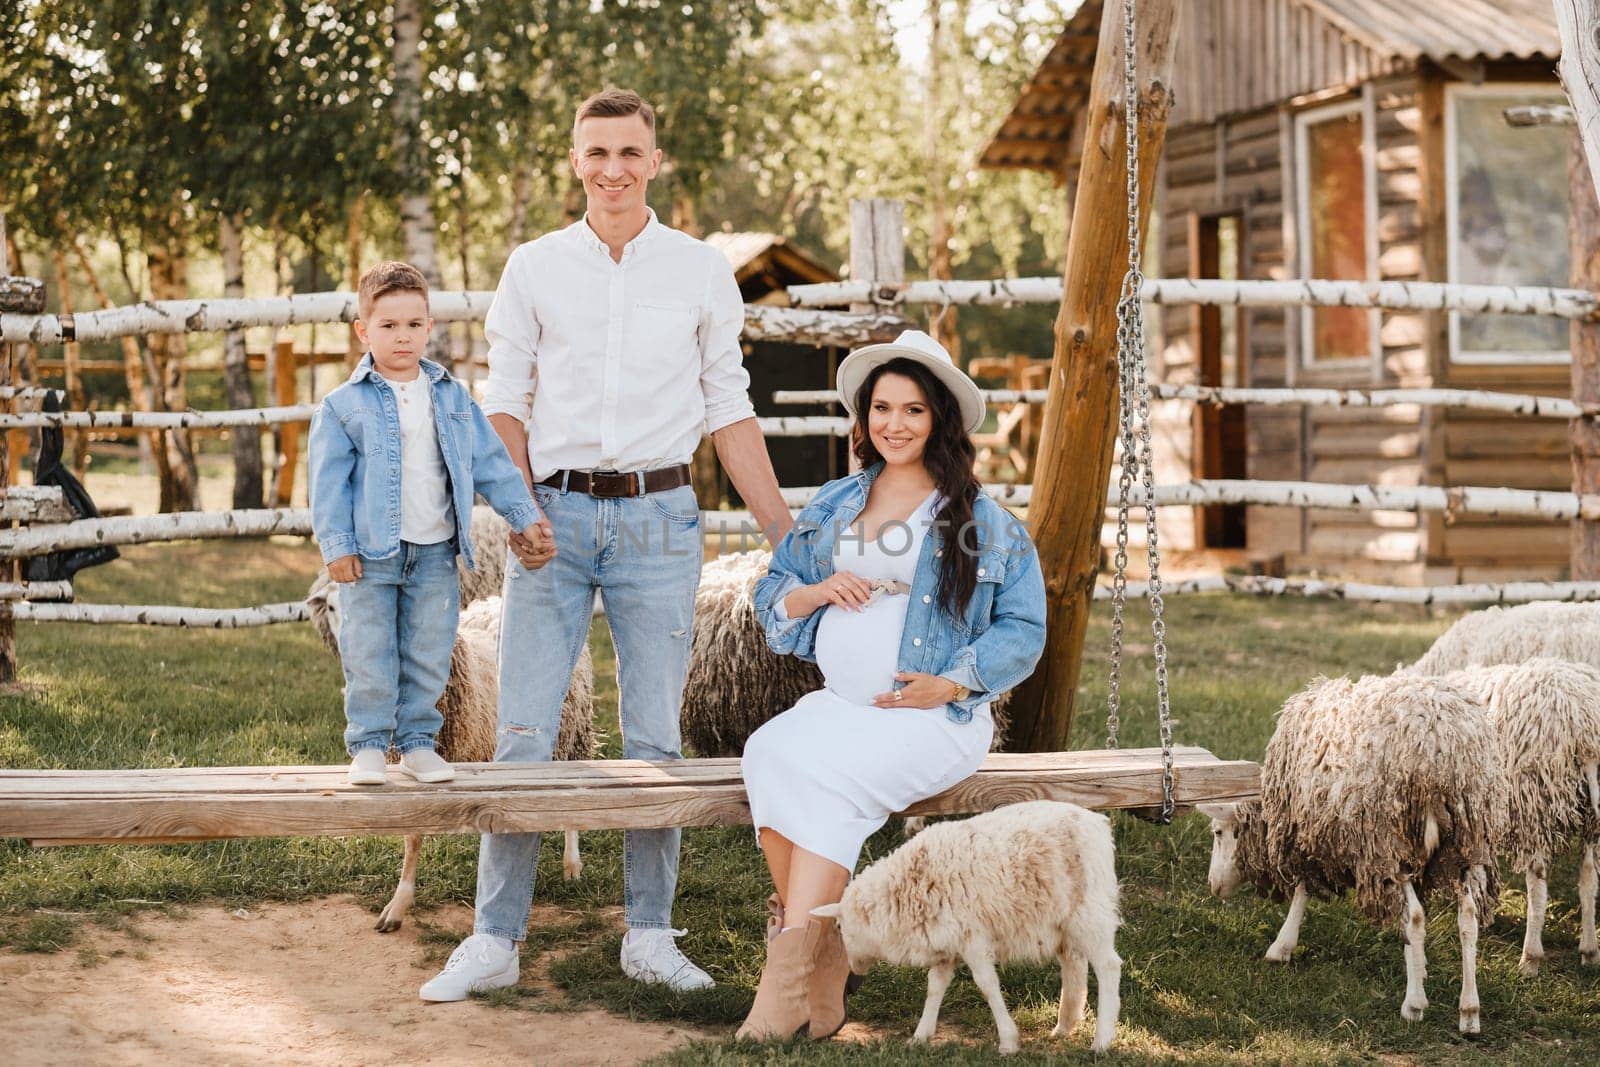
[(918, 346)]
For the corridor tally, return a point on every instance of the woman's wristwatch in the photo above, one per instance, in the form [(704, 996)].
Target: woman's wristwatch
[(961, 692)]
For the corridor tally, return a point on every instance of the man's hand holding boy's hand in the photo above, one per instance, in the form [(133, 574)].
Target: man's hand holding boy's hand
[(535, 546), (345, 569)]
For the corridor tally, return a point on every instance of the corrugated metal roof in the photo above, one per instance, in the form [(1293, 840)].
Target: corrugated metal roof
[(1447, 29), (1274, 50)]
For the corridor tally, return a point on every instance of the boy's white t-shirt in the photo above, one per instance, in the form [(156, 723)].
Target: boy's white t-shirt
[(425, 510)]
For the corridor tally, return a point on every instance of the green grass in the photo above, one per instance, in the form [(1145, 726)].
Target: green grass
[(1194, 986)]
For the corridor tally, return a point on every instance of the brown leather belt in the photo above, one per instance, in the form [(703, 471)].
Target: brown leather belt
[(620, 483)]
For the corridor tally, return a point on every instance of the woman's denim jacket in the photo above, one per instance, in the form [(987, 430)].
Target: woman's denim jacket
[(355, 465), (991, 649)]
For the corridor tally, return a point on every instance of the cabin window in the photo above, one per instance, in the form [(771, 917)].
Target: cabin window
[(1506, 217), (1335, 208)]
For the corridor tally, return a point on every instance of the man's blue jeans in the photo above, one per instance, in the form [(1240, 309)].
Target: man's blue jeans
[(399, 627), (643, 554)]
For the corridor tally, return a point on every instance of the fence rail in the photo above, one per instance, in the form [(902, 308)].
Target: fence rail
[(1533, 405), (1309, 292), (762, 322)]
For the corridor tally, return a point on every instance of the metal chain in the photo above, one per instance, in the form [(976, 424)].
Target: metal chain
[(1134, 434)]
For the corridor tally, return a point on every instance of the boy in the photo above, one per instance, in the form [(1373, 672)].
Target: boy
[(396, 454)]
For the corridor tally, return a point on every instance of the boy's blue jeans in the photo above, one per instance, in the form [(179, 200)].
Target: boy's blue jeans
[(395, 641), (643, 555)]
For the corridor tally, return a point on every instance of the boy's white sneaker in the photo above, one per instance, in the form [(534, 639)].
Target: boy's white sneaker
[(367, 767), (653, 956), (477, 964), (426, 765)]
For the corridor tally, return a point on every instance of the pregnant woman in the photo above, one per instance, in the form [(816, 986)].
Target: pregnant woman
[(920, 599)]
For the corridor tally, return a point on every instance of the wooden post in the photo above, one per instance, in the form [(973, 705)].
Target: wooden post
[(1577, 21), (1584, 236), (288, 435), (23, 296), (877, 255), (877, 243), (1074, 463)]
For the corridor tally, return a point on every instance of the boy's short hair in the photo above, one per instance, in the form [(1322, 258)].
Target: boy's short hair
[(612, 102), (386, 278)]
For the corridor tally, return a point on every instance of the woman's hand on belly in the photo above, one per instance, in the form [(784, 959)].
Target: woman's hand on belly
[(841, 589), (919, 691)]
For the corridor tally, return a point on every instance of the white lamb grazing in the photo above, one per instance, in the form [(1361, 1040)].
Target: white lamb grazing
[(1546, 714), (1515, 635), (1024, 883), (1390, 786)]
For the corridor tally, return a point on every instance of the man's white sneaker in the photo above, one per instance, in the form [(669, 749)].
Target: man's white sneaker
[(653, 956), (426, 765), (477, 964), (366, 768)]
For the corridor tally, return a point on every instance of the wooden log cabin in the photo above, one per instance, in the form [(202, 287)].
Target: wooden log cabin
[(1353, 139)]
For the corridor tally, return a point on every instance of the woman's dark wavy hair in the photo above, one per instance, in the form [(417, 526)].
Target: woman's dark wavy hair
[(949, 457)]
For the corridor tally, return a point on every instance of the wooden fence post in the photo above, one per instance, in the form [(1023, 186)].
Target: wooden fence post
[(288, 435), (24, 296), (1074, 463), (877, 256)]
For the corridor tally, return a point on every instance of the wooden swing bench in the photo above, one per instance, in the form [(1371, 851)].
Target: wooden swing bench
[(161, 806)]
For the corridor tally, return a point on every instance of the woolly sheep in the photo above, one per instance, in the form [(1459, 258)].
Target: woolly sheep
[(1027, 882), (735, 681), (1546, 716), (1515, 635), (1390, 786), (471, 722)]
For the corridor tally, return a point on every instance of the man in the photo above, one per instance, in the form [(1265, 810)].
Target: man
[(613, 347)]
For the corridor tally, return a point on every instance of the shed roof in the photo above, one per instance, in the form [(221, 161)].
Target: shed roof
[(1271, 50), (766, 263)]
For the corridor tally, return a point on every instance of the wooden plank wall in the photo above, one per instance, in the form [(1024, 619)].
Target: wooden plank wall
[(1235, 166), (1232, 167), (1471, 448), (1377, 446), (1238, 56)]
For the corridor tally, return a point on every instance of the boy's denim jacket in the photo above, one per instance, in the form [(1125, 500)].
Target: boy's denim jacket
[(993, 648), (355, 465)]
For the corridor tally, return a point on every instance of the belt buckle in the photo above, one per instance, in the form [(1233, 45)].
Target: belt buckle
[(610, 484)]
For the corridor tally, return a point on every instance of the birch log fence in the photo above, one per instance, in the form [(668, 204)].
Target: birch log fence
[(1533, 405), (1393, 296), (1455, 501), (807, 324), (762, 322)]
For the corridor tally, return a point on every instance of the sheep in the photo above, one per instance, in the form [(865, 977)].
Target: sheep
[(1513, 635), (1391, 786), (471, 722), (1546, 717), (1026, 882), (736, 683)]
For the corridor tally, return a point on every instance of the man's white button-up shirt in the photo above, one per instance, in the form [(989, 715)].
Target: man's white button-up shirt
[(616, 366)]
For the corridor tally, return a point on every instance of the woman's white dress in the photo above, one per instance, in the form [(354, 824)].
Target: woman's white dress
[(830, 771)]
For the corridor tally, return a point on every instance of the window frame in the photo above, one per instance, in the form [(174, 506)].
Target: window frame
[(1303, 121), (1454, 91)]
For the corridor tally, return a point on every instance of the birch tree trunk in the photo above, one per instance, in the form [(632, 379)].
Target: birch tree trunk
[(236, 372), (521, 191), (943, 323), (417, 226), (169, 280)]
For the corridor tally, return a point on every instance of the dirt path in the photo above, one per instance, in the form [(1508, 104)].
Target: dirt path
[(281, 984)]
